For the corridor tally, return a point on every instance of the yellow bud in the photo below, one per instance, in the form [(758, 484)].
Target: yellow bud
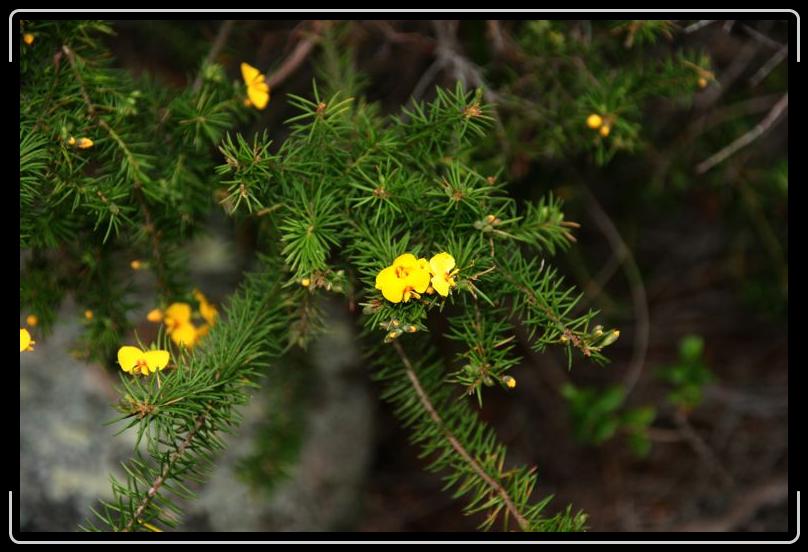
[(32, 320), (305, 282), (702, 82), (71, 141), (594, 121), (604, 130), (155, 315), (28, 38), (85, 143), (410, 329), (611, 338), (509, 381), (88, 314), (136, 264), (490, 218)]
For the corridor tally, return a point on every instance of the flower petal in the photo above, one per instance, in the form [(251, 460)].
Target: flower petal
[(185, 335), (442, 263), (385, 276), (393, 290), (249, 73), (440, 284), (25, 339), (407, 259), (418, 280), (128, 357), (156, 360), (180, 313)]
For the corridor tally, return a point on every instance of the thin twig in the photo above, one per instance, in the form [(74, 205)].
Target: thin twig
[(456, 445), (639, 296), (698, 25), (702, 448), (215, 49), (759, 130), (297, 57), (159, 480), (769, 493), (769, 66)]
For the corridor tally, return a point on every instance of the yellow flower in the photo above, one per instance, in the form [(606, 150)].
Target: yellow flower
[(257, 87), (136, 264), (32, 320), (442, 273), (406, 278), (305, 282), (82, 143), (155, 315), (509, 381), (184, 335), (28, 38), (604, 130), (208, 311), (26, 343), (594, 121), (136, 361), (88, 314)]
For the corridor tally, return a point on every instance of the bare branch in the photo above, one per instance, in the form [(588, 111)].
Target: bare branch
[(746, 139)]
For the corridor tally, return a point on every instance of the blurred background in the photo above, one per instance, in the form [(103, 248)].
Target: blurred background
[(683, 246)]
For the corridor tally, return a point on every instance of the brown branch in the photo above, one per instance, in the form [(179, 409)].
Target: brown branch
[(456, 445), (298, 55), (770, 493), (215, 49), (158, 482), (759, 130), (639, 297)]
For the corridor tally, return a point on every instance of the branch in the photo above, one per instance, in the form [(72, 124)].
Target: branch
[(456, 445), (158, 482), (639, 296), (298, 55), (215, 49), (746, 139)]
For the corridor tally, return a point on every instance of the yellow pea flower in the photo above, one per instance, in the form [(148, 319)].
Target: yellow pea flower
[(26, 343), (604, 130), (82, 143), (185, 335), (208, 311), (594, 121), (407, 277), (28, 38), (136, 264), (176, 315), (442, 266), (136, 361), (88, 314), (510, 381), (155, 315), (257, 86), (32, 320)]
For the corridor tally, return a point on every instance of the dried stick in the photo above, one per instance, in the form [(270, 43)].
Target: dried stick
[(746, 139), (456, 445)]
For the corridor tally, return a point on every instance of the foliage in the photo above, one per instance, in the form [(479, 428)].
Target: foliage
[(688, 375)]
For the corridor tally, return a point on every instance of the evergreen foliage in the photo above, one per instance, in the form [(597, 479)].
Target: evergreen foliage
[(336, 201)]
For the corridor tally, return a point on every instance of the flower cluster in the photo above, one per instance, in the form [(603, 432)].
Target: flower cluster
[(601, 124), (409, 277), (178, 320)]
